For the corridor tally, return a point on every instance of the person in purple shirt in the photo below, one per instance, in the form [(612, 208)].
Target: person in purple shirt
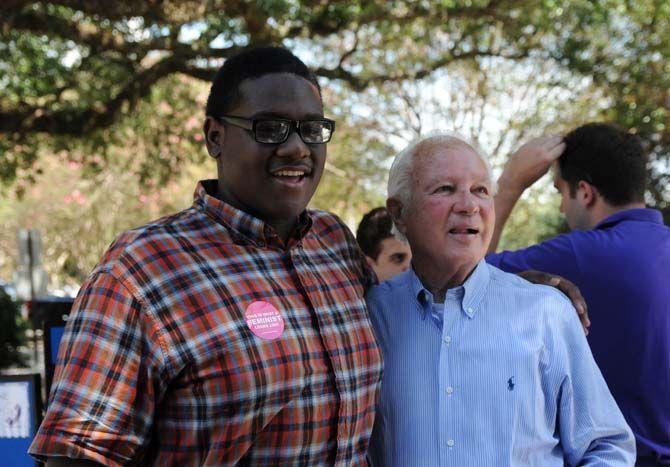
[(618, 254)]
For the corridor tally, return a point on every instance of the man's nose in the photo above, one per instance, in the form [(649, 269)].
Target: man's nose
[(294, 147), (466, 203)]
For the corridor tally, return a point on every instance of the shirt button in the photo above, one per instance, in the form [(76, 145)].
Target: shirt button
[(447, 339), (450, 390), (450, 443), (470, 310)]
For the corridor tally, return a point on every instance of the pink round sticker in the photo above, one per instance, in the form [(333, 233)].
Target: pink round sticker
[(264, 320)]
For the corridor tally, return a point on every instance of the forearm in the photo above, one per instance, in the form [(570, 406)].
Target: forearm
[(523, 168), (504, 200)]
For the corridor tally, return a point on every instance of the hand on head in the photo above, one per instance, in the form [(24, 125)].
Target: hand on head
[(530, 162)]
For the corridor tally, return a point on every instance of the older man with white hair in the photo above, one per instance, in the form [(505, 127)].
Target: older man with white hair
[(481, 368)]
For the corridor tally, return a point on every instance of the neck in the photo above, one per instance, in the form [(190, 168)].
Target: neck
[(447, 278), (603, 210), (284, 228)]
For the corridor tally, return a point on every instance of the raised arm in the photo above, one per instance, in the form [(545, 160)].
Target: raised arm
[(524, 167)]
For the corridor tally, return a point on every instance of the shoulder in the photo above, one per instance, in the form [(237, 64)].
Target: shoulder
[(330, 239), (137, 247), (392, 291), (543, 302), (558, 255), (560, 243), (386, 303), (329, 225), (329, 232)]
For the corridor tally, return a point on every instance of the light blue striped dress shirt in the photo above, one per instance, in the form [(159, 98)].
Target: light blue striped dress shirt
[(500, 375)]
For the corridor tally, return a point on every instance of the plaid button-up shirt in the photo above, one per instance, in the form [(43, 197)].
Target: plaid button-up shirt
[(158, 365)]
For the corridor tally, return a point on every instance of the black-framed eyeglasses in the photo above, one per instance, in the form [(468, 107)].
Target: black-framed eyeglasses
[(277, 130)]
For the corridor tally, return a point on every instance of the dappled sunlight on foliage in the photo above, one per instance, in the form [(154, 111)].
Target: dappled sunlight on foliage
[(101, 104), (80, 212)]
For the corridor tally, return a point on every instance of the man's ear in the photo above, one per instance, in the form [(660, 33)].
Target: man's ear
[(587, 194), (371, 262), (214, 136), (394, 207)]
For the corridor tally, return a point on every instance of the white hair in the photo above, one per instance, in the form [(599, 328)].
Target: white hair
[(400, 175)]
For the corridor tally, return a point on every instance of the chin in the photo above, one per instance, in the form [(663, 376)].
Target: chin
[(472, 259)]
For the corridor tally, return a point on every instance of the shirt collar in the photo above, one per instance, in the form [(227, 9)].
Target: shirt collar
[(243, 226), (474, 290), (640, 214)]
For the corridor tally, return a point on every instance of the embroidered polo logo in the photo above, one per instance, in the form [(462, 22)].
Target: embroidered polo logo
[(264, 320), (510, 384)]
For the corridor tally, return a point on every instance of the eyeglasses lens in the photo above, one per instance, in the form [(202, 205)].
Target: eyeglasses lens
[(315, 132), (271, 131), (276, 131)]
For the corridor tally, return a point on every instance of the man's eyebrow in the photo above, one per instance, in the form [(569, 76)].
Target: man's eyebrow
[(271, 114)]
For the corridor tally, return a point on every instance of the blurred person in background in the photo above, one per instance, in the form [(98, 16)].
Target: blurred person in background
[(385, 254)]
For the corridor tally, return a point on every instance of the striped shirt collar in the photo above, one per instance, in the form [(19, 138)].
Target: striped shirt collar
[(244, 227), (470, 293)]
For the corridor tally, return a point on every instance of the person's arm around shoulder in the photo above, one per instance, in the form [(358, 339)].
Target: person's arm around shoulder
[(592, 429), (523, 168)]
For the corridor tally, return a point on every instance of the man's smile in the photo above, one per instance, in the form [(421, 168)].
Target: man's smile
[(292, 175), (463, 231)]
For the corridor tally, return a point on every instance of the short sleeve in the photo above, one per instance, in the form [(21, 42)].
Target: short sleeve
[(107, 381), (555, 256)]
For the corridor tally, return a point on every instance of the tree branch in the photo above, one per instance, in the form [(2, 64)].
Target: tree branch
[(359, 83), (324, 24), (78, 122), (40, 22)]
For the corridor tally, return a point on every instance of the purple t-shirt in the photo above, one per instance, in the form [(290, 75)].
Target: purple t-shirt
[(622, 268)]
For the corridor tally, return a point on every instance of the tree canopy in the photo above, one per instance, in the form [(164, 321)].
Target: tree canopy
[(73, 66), (90, 88)]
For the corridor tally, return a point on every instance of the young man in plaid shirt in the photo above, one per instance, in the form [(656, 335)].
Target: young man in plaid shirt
[(234, 331)]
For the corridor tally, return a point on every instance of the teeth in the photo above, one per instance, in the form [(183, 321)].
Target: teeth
[(289, 173)]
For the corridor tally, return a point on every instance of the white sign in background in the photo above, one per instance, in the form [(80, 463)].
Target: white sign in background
[(15, 410)]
